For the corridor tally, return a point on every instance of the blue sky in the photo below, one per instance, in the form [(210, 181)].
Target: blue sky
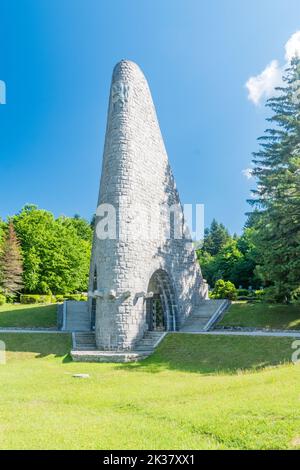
[(57, 58)]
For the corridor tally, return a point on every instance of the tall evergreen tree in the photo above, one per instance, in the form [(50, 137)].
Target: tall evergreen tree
[(215, 238), (277, 197), (11, 267)]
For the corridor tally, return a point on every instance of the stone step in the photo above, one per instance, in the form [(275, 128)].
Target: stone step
[(85, 349), (108, 356), (77, 316), (153, 335), (148, 342), (197, 317), (84, 342), (152, 338), (202, 315), (86, 334)]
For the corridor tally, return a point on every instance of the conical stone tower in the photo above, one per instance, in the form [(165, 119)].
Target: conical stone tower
[(144, 274)]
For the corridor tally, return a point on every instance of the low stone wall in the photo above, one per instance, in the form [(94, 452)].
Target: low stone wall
[(60, 314)]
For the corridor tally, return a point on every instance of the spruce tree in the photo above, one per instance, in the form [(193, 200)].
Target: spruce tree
[(215, 238), (11, 266), (277, 197)]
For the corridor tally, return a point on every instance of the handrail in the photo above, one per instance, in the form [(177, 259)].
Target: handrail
[(224, 305)]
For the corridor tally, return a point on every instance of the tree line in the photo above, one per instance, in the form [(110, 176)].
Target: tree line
[(42, 254), (268, 252), (231, 258)]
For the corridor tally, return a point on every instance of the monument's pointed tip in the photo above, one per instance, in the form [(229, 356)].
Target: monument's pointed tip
[(125, 67), (126, 62)]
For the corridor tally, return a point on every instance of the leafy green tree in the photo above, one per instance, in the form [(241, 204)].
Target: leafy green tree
[(244, 270), (224, 290), (235, 261), (56, 251), (226, 260), (82, 226), (2, 231), (277, 196), (11, 266)]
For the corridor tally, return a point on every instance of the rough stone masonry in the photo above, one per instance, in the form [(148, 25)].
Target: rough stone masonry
[(144, 274)]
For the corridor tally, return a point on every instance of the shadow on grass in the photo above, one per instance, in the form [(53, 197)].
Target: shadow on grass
[(262, 315), (201, 354), (41, 345), (215, 354), (32, 316)]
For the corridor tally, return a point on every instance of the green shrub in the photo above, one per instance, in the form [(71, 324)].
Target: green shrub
[(72, 297), (251, 295), (2, 299), (224, 290), (260, 294), (276, 294), (47, 299), (11, 298), (35, 299), (243, 292)]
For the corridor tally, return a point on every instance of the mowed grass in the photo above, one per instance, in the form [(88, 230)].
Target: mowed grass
[(260, 315), (28, 316), (195, 392)]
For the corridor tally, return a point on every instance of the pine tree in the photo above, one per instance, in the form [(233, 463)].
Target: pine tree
[(11, 266), (277, 197), (215, 238)]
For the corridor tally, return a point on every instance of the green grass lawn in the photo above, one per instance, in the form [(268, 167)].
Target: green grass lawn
[(195, 392), (259, 315), (27, 316)]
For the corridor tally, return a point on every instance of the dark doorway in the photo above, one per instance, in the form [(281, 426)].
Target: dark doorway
[(155, 313), (161, 309)]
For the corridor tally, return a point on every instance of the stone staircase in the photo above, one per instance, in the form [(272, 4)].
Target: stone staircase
[(85, 350), (84, 341), (77, 317), (84, 344), (150, 340), (205, 315)]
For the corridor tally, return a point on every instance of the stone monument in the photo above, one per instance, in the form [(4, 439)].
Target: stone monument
[(144, 275)]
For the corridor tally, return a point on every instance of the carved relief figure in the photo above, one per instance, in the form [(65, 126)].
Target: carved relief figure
[(119, 94)]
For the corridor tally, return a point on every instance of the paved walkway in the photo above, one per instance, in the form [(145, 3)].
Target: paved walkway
[(274, 334)]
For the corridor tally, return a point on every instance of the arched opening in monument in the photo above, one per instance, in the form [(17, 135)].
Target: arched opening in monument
[(161, 309), (94, 301)]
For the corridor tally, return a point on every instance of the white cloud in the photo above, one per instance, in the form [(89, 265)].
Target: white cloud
[(247, 173), (261, 86), (292, 47)]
